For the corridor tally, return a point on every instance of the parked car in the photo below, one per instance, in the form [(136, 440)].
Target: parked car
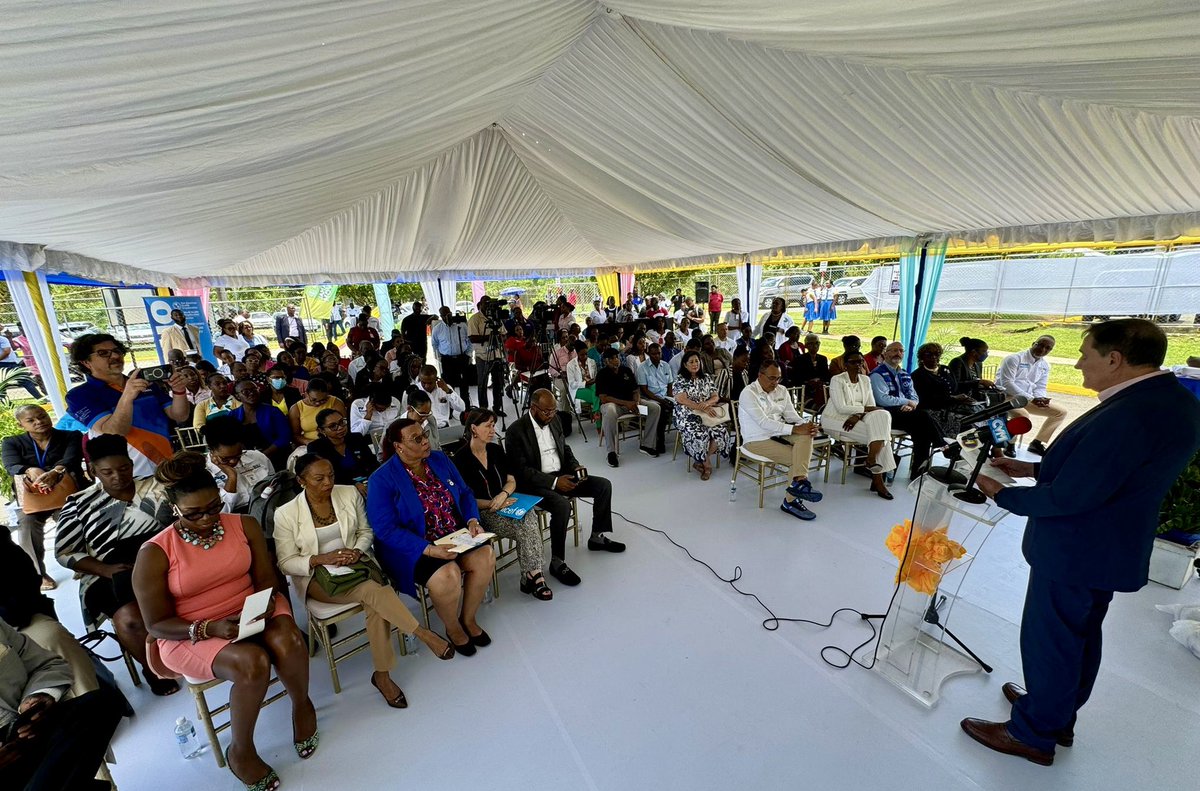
[(73, 329), (848, 290), (134, 333), (791, 287)]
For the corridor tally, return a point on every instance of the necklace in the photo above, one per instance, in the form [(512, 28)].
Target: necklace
[(195, 539), (322, 520)]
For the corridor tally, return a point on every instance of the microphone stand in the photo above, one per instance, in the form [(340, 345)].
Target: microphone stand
[(970, 494)]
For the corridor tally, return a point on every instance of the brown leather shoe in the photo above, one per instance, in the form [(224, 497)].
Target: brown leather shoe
[(1012, 691), (995, 736)]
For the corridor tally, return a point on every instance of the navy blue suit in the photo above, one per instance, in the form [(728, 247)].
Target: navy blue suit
[(1092, 519)]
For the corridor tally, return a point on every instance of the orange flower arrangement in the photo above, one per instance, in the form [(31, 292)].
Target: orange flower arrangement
[(927, 554)]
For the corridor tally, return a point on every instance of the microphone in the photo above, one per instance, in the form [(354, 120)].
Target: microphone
[(987, 413), (981, 438), (1019, 425)]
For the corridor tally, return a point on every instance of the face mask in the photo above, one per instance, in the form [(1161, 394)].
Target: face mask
[(278, 384), (983, 357)]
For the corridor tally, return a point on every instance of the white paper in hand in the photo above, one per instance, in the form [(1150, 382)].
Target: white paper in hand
[(256, 606)]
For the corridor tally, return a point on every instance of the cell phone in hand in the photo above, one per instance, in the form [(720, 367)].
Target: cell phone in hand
[(157, 373), (580, 474)]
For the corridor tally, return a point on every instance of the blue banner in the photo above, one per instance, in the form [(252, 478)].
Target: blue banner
[(384, 312), (158, 310)]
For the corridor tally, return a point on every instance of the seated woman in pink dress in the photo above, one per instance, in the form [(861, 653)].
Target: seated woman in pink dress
[(191, 581)]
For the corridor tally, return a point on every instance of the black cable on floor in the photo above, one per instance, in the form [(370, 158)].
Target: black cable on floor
[(772, 622)]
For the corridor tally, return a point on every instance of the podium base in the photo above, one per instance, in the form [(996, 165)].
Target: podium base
[(920, 666)]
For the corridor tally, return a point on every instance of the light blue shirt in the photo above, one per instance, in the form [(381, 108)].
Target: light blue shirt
[(655, 377), (450, 340), (879, 387)]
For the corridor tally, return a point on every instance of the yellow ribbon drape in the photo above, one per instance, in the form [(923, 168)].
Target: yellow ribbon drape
[(39, 307), (610, 286)]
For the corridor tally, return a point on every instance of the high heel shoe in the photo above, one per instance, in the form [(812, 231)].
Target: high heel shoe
[(466, 649), (268, 782), (306, 748), (398, 702), (881, 490)]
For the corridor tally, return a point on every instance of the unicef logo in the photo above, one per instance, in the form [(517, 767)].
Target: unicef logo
[(160, 311)]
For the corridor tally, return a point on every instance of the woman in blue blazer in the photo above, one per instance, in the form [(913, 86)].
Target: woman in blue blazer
[(416, 497)]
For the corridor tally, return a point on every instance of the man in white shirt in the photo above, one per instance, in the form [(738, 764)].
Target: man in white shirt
[(441, 396), (724, 340), (598, 315), (737, 320), (372, 322), (374, 412), (771, 427), (290, 326), (367, 355), (1027, 374)]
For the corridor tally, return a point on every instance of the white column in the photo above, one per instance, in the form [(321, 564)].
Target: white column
[(39, 322)]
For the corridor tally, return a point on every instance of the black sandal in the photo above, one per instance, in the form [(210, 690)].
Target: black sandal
[(536, 587), (160, 686)]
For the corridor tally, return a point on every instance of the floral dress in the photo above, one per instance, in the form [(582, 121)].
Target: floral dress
[(696, 436)]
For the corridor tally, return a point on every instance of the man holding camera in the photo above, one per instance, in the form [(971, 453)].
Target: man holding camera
[(546, 467), (484, 328), (135, 406)]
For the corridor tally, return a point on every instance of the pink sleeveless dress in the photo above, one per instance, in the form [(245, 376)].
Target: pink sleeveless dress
[(213, 584)]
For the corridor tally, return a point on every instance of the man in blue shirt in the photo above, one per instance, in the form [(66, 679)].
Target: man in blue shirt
[(452, 347), (656, 380), (894, 391)]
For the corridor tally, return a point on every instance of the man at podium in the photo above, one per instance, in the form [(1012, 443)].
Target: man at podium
[(1092, 519)]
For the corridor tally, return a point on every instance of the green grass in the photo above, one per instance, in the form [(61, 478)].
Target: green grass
[(1010, 335)]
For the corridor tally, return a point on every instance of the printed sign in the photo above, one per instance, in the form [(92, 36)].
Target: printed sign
[(169, 335)]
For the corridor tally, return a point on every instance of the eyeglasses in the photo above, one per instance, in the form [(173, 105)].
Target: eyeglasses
[(232, 461), (419, 438), (421, 414), (106, 354), (772, 378), (335, 426), (212, 511)]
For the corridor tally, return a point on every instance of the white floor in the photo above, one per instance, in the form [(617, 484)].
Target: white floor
[(654, 675)]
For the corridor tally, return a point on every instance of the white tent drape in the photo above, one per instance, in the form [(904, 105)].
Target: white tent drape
[(39, 323), (439, 291), (749, 283)]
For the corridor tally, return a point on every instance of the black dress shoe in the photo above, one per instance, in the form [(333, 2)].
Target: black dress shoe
[(480, 639), (563, 573), (605, 544), (1012, 692), (1011, 451), (995, 736), (1036, 447), (466, 649), (613, 461), (651, 452)]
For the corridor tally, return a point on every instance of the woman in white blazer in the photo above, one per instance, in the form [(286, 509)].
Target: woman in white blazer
[(327, 526), (852, 413)]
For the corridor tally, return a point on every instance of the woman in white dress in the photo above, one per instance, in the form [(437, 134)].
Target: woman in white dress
[(851, 411)]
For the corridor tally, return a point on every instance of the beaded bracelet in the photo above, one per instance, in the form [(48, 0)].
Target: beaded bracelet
[(203, 629)]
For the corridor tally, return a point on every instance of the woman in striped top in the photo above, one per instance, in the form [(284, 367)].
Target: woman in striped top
[(100, 530)]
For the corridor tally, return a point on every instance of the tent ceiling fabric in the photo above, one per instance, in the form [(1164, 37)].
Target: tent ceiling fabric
[(238, 142)]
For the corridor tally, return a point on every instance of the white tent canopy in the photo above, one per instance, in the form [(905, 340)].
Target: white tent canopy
[(242, 142)]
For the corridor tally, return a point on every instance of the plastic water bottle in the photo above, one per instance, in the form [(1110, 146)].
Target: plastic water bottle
[(185, 737), (732, 492), (411, 643)]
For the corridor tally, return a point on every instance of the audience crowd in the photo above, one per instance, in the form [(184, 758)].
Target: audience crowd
[(392, 472)]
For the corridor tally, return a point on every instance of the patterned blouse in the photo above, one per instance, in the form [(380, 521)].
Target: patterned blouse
[(440, 517)]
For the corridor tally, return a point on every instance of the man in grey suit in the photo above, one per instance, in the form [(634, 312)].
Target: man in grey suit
[(49, 743), (544, 465)]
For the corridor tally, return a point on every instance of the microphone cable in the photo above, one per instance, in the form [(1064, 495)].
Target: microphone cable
[(842, 658)]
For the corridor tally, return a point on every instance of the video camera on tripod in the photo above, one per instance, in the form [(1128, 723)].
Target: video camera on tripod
[(495, 313)]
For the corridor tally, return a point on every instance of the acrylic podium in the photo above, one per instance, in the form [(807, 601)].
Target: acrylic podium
[(917, 649)]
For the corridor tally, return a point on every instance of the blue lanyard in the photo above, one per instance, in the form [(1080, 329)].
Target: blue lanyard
[(40, 455)]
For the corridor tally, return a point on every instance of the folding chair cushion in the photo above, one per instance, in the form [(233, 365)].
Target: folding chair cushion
[(325, 610)]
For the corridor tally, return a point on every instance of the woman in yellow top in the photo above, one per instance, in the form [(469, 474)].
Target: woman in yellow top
[(303, 414), (282, 394)]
